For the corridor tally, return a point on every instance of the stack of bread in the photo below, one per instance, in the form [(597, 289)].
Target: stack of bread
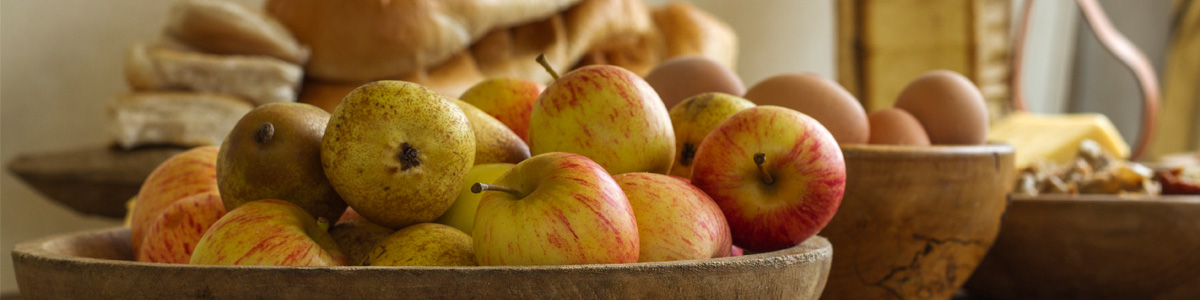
[(218, 58), (215, 61)]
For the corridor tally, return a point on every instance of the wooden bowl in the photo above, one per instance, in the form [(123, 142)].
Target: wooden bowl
[(916, 221), (1094, 247), (96, 265)]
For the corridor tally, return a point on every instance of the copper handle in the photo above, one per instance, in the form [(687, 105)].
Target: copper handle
[(1116, 44)]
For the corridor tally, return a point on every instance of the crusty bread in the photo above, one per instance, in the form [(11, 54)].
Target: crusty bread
[(360, 40), (259, 79), (686, 30), (171, 118), (228, 27)]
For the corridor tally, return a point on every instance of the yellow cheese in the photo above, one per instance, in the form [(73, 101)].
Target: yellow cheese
[(1056, 138)]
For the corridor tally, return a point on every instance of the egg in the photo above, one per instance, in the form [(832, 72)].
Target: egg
[(818, 97), (949, 107), (894, 126), (681, 77)]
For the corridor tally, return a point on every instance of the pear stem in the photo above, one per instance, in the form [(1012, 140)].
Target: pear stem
[(541, 59), (759, 159), (479, 187)]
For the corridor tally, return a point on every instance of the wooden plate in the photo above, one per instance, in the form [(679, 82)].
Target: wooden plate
[(1093, 247), (96, 265), (916, 221)]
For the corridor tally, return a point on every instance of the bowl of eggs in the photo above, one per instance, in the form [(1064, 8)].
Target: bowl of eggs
[(924, 192)]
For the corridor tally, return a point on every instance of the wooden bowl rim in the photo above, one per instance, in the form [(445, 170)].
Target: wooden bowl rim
[(934, 150), (813, 250)]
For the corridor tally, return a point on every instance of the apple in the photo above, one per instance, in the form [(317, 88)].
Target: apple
[(268, 232), (509, 100), (694, 118), (735, 251), (777, 174), (173, 235), (425, 244), (357, 237), (553, 209), (188, 173), (349, 214), (607, 114), (676, 221), (461, 214)]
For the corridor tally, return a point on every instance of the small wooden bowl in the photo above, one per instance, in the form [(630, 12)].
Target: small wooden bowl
[(916, 221), (96, 265), (1094, 247)]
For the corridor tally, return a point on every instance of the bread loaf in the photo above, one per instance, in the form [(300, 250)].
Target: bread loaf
[(171, 118), (360, 40), (259, 79), (228, 27)]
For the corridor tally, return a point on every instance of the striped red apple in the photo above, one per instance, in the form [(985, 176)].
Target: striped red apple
[(185, 174), (676, 221), (777, 174), (268, 232)]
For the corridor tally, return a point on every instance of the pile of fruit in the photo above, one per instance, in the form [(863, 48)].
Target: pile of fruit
[(512, 174)]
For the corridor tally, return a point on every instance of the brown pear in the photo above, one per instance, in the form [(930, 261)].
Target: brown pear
[(494, 141), (274, 152)]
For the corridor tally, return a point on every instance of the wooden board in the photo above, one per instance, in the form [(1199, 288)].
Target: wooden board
[(94, 180), (885, 44), (95, 265), (1094, 247), (916, 221)]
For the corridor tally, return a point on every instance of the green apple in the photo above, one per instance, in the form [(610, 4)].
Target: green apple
[(397, 151), (268, 232), (553, 209), (494, 142), (188, 173), (676, 221), (173, 235), (608, 114), (509, 100), (425, 244), (461, 215), (777, 174), (694, 118)]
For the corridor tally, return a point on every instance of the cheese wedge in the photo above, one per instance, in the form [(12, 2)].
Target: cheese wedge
[(1056, 138)]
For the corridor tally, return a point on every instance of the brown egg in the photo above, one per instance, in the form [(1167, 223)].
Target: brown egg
[(895, 126), (949, 106), (685, 76), (820, 98)]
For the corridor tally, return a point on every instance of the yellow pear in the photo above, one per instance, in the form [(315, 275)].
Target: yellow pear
[(494, 141)]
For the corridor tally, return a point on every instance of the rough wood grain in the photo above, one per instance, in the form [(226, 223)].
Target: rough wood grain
[(1094, 247), (95, 180), (95, 265), (916, 221)]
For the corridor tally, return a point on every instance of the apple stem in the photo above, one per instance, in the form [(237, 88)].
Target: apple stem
[(541, 59), (759, 159), (323, 223), (479, 187)]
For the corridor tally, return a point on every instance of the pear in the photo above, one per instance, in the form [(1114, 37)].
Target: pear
[(274, 152), (426, 244), (357, 238), (494, 141), (397, 152), (694, 118)]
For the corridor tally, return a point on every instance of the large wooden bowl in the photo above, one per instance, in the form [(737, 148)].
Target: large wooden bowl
[(916, 221), (96, 265), (1094, 247)]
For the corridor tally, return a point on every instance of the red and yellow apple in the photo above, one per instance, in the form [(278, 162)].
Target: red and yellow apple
[(174, 234), (461, 214), (553, 209), (777, 174), (607, 114), (189, 173), (268, 232), (509, 100), (676, 221)]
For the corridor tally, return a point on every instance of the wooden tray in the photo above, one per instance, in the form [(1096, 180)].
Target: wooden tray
[(1094, 247), (96, 265)]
